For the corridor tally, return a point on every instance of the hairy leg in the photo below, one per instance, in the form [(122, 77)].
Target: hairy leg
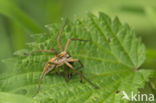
[(59, 36), (67, 73), (45, 71), (69, 40), (75, 60), (81, 76)]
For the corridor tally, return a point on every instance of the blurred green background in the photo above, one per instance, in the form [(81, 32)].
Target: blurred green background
[(20, 18)]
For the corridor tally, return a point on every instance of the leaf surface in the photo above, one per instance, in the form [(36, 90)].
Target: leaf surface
[(111, 59)]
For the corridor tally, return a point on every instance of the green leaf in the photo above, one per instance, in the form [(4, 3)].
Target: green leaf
[(13, 98), (111, 59)]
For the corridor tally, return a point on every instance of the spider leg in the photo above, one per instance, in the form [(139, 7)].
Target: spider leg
[(69, 40), (59, 36), (81, 76), (57, 68), (67, 73), (75, 60), (45, 71), (43, 74)]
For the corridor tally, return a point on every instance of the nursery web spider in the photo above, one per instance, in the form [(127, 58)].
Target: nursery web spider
[(62, 58)]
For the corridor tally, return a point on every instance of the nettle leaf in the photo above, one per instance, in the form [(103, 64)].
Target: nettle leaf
[(111, 59)]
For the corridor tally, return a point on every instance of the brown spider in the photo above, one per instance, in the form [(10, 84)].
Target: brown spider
[(63, 58)]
